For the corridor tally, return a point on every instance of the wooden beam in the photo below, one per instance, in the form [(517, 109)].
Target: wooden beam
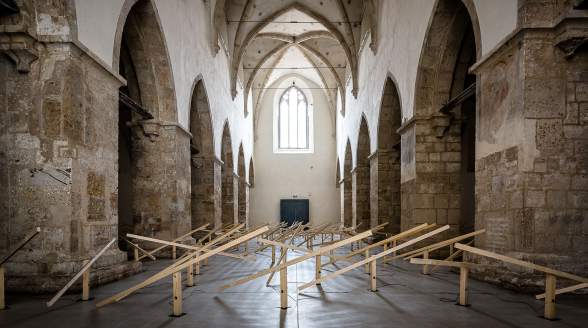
[(180, 266), (564, 290), (442, 263), (441, 244), (463, 285), (20, 245), (299, 259), (373, 257), (386, 241), (453, 255), (175, 240), (137, 249), (2, 295), (549, 310), (84, 269), (284, 281), (280, 244), (177, 294), (373, 282), (525, 264), (86, 284), (171, 243)]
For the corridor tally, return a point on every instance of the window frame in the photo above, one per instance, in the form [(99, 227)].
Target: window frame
[(282, 88)]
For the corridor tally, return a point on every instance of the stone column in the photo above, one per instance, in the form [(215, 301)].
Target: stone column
[(203, 192), (161, 179), (218, 197), (236, 203), (532, 190), (58, 156)]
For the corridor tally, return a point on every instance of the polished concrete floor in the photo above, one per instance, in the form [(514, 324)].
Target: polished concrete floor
[(405, 298)]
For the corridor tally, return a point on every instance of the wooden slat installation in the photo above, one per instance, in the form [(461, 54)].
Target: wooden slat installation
[(169, 243), (79, 274), (441, 244), (183, 265), (373, 258), (565, 290), (299, 259)]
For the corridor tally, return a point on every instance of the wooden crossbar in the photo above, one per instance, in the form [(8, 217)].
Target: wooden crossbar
[(522, 263), (280, 244), (181, 266), (565, 290), (373, 258), (442, 263), (169, 243), (140, 249), (79, 274), (453, 256), (441, 244), (20, 245), (401, 235), (175, 240), (299, 259)]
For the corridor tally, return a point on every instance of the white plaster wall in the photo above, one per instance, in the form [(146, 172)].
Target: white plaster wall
[(402, 28), (279, 176), (186, 28)]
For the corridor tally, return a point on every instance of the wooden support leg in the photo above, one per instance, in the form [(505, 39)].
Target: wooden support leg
[(190, 277), (322, 238), (385, 259), (332, 256), (550, 282), (284, 282), (373, 284), (426, 266), (317, 274), (367, 265), (463, 285), (86, 283), (136, 251), (174, 254), (394, 245), (2, 299), (205, 262), (177, 294), (197, 269), (332, 236), (246, 248), (273, 254)]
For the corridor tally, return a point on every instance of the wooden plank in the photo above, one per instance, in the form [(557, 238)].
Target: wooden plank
[(373, 257), (463, 285), (177, 294), (296, 260), (442, 263), (386, 241), (175, 240), (77, 276), (441, 244), (550, 283), (86, 284), (137, 249), (564, 290), (525, 264), (284, 281), (271, 276), (20, 245), (171, 243), (180, 266), (280, 244), (2, 292), (317, 267), (453, 254), (373, 282)]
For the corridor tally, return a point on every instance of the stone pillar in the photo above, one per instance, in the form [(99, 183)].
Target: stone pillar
[(385, 189), (203, 191), (532, 190), (218, 197), (347, 200), (361, 195), (236, 200), (58, 157), (430, 173), (161, 180)]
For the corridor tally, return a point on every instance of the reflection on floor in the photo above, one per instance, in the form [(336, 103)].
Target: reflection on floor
[(405, 298)]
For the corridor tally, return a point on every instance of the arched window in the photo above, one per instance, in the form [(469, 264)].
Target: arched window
[(293, 120)]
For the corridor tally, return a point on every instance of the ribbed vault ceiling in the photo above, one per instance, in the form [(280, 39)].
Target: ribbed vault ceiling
[(316, 39)]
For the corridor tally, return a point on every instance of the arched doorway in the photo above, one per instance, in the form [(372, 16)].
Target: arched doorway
[(362, 180), (227, 185), (201, 158), (347, 189), (445, 107), (385, 164)]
